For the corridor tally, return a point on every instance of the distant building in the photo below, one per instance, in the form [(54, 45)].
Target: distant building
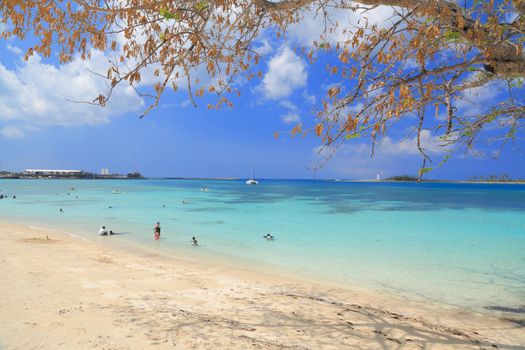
[(53, 172), (378, 176), (104, 171), (135, 175)]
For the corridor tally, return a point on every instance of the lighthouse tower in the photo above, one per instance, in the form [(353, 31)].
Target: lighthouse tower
[(378, 176)]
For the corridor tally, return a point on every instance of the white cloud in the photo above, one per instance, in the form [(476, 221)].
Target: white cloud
[(286, 72), (288, 105), (264, 48), (38, 93), (12, 132), (431, 145), (313, 25), (311, 99), (291, 118), (473, 101), (354, 160), (16, 50)]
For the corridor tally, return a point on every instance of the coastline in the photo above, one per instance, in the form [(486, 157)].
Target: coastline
[(478, 182), (67, 292)]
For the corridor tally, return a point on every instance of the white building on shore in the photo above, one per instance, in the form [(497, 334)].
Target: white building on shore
[(53, 172)]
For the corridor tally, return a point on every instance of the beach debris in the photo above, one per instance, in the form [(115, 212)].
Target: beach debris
[(38, 240)]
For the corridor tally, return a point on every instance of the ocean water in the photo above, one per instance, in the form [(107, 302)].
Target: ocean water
[(460, 244)]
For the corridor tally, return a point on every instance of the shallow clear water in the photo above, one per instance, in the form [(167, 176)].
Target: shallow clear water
[(462, 244)]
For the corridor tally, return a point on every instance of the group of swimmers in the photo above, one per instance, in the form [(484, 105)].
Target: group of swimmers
[(156, 233)]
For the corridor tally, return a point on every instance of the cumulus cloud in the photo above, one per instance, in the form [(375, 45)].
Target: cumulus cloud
[(38, 93), (12, 132), (286, 72)]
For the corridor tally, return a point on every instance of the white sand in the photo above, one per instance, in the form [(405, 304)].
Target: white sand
[(68, 293)]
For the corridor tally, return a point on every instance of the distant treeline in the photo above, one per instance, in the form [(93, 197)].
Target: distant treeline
[(494, 178), (488, 178), (402, 178)]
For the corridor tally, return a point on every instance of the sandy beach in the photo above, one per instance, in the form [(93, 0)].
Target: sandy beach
[(64, 292)]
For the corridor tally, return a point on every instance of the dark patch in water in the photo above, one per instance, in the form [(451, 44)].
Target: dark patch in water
[(341, 210), (215, 222), (210, 209), (514, 310)]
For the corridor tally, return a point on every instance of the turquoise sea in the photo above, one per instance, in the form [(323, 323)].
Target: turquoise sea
[(459, 244)]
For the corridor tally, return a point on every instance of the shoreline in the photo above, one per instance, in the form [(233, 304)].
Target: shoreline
[(271, 179), (66, 292), (205, 258)]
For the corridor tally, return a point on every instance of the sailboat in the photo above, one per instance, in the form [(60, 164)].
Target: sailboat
[(252, 181)]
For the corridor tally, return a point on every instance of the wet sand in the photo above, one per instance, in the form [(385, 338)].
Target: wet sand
[(62, 292)]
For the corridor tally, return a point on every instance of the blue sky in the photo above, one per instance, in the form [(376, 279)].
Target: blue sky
[(39, 128)]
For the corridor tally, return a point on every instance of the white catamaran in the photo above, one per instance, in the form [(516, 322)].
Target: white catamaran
[(252, 181)]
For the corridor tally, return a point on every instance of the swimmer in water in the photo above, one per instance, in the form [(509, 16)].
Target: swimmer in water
[(156, 231), (103, 231), (268, 236), (194, 241)]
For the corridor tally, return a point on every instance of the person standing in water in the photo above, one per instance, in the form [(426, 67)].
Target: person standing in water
[(157, 230)]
